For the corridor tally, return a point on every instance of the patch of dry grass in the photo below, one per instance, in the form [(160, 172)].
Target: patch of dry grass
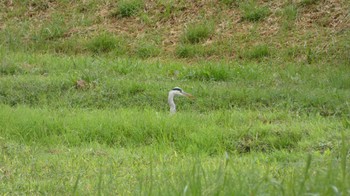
[(324, 20)]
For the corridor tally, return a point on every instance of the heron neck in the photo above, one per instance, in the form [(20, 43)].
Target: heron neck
[(171, 102)]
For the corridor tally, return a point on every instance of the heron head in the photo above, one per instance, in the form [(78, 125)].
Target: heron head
[(179, 91)]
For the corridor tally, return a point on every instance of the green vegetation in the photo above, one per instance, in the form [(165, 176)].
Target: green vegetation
[(252, 11), (257, 52), (83, 98), (146, 50), (229, 2), (87, 151), (308, 2), (180, 27), (290, 13), (196, 33), (127, 8), (195, 50), (104, 43), (116, 132)]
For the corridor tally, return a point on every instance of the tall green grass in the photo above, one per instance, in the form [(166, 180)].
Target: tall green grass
[(49, 80), (257, 52), (252, 11), (127, 8), (116, 136), (105, 43), (270, 114), (236, 131), (198, 32), (146, 50), (133, 151)]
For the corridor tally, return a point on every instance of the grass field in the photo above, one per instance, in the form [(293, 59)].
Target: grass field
[(83, 98), (250, 129)]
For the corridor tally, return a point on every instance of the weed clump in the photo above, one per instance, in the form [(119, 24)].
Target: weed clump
[(127, 8), (257, 52), (262, 139), (146, 50), (39, 5), (308, 2), (51, 30), (9, 68), (103, 43), (186, 51), (196, 50), (289, 13), (209, 73), (253, 12), (196, 33), (229, 2)]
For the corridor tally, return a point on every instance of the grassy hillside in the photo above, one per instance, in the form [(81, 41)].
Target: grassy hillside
[(304, 31), (83, 97)]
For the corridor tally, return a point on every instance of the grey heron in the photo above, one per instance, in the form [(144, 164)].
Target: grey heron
[(175, 92)]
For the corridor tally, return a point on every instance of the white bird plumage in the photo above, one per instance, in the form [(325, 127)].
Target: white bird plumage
[(177, 91)]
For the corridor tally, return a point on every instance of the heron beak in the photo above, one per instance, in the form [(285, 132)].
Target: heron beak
[(187, 95)]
